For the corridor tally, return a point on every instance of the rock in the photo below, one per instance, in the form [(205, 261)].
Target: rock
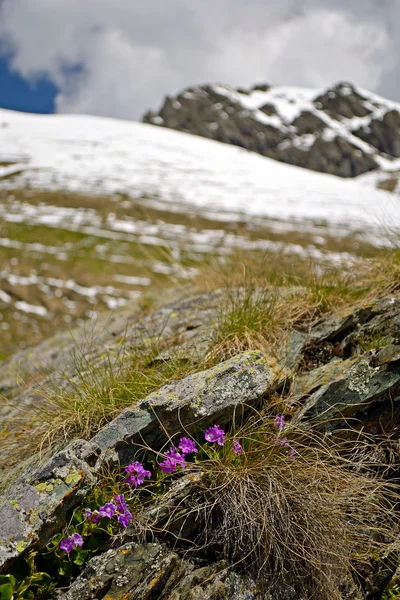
[(335, 156), (308, 122), (383, 133), (171, 508), (344, 101), (187, 325), (386, 355), (144, 571), (292, 352), (336, 327), (321, 376), (36, 506), (350, 390), (198, 400)]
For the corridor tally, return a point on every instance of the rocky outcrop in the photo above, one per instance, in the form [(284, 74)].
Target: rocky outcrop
[(343, 100), (341, 131), (41, 499), (342, 369), (141, 571), (383, 133)]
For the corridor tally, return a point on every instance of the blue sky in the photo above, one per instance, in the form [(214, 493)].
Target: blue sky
[(17, 93)]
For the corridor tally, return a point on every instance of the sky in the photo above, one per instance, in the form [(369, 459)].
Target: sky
[(119, 58)]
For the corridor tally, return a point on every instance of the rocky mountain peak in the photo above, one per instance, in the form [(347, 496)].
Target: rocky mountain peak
[(342, 130)]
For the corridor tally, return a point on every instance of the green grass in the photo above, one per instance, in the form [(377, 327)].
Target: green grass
[(260, 309), (267, 296), (76, 255)]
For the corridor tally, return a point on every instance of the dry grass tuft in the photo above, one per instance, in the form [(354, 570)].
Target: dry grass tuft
[(306, 523), (79, 405)]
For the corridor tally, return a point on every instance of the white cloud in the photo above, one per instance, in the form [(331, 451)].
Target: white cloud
[(131, 53), (119, 75)]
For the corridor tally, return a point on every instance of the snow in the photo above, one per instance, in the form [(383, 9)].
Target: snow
[(289, 102), (4, 297), (100, 155), (132, 280), (31, 308)]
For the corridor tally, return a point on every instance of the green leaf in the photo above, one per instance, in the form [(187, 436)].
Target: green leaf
[(65, 568), (55, 541), (41, 579), (77, 517), (81, 558), (6, 591)]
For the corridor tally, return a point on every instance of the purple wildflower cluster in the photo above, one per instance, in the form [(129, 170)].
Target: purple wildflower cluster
[(174, 459), (137, 473), (71, 542), (283, 441), (187, 446), (118, 509), (215, 435), (237, 448)]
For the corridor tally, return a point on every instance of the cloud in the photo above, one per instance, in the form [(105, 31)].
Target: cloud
[(119, 58)]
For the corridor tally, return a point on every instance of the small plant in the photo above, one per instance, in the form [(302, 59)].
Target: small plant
[(393, 593), (256, 318), (23, 582)]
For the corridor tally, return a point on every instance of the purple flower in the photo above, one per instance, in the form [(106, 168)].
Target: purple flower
[(237, 447), (138, 473), (283, 442), (215, 434), (292, 453), (96, 517), (67, 545), (187, 446), (172, 460), (77, 539), (279, 421), (124, 518), (107, 510), (93, 517), (121, 503), (70, 542)]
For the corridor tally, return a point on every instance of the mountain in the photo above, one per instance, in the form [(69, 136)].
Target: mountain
[(343, 130)]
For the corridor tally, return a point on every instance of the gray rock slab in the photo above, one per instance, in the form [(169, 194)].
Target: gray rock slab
[(36, 506), (145, 571), (352, 389), (199, 400)]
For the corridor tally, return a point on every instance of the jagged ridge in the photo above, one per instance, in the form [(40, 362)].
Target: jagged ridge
[(343, 130)]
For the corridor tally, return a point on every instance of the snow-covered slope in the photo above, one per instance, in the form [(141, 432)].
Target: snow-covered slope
[(92, 154)]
